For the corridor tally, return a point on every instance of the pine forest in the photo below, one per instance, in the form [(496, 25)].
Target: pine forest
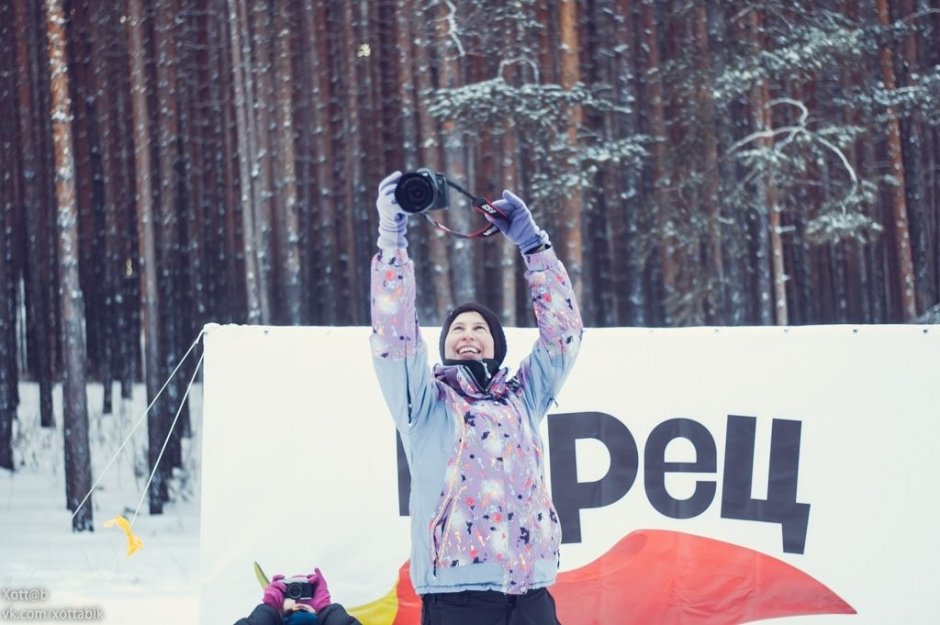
[(170, 163)]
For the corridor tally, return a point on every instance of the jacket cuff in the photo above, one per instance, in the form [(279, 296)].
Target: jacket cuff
[(540, 261), (393, 256)]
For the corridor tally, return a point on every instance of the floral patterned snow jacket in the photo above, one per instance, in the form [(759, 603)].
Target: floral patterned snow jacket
[(481, 514)]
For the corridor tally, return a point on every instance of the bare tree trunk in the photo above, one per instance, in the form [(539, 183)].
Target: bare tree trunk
[(715, 300), (147, 246), (509, 255), (75, 402), (45, 175), (8, 400), (406, 88), (89, 194), (571, 76), (257, 31), (241, 60), (914, 158), (450, 76), (931, 157), (285, 165), (201, 172), (432, 158), (358, 157), (517, 46), (346, 165), (609, 68), (111, 267), (630, 261), (10, 148), (876, 252), (323, 229), (905, 262), (111, 72), (167, 234), (657, 125), (769, 255), (227, 208), (857, 257), (546, 47), (412, 155), (603, 223), (10, 196), (37, 265)]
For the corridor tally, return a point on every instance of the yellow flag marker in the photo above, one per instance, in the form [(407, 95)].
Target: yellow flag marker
[(262, 578), (134, 543)]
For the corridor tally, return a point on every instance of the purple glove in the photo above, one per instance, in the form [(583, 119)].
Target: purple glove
[(274, 594), (321, 592), (391, 218), (518, 225)]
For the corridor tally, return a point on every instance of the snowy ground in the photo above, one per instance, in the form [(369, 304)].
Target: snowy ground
[(69, 571)]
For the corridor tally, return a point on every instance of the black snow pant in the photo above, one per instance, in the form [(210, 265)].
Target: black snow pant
[(487, 607)]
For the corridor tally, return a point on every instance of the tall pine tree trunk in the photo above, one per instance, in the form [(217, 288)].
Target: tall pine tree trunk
[(121, 224), (8, 200), (147, 246), (323, 206), (658, 175), (112, 260), (508, 253), (715, 300), (450, 76), (258, 31), (285, 165), (169, 249), (571, 76), (440, 283), (355, 220), (74, 398), (915, 158), (240, 47), (766, 217), (897, 188), (37, 265), (631, 261), (8, 400), (224, 205), (347, 166), (410, 154)]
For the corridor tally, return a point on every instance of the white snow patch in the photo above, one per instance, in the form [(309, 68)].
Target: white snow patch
[(90, 569)]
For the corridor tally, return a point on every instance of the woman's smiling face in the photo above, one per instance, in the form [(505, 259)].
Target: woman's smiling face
[(469, 338)]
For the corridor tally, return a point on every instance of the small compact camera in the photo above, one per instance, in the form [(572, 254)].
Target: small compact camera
[(421, 190), (298, 588)]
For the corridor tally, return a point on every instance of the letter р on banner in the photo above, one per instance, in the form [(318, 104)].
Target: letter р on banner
[(571, 496)]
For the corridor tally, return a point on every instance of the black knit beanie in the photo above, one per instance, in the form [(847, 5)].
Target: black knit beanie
[(496, 329)]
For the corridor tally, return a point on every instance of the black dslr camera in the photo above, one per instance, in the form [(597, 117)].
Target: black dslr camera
[(421, 190), (298, 588)]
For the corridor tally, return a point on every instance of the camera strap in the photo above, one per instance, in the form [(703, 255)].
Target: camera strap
[(482, 205)]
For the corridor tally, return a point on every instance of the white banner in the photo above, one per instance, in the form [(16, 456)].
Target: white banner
[(701, 475)]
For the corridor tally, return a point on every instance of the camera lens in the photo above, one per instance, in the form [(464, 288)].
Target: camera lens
[(414, 192), (294, 591)]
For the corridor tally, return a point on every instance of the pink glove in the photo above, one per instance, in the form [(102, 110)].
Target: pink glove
[(321, 592), (274, 594)]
